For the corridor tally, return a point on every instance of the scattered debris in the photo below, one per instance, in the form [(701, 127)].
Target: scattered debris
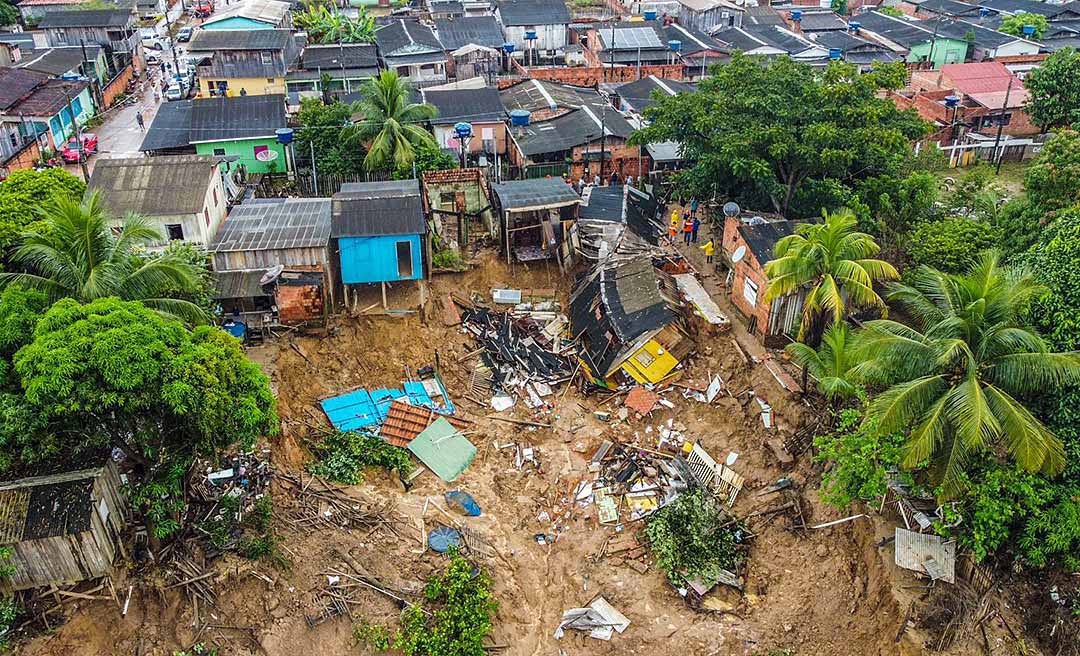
[(463, 503), (442, 539), (641, 400), (927, 554), (443, 449), (600, 619), (361, 409)]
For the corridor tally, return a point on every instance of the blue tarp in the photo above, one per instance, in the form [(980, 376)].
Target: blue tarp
[(363, 409)]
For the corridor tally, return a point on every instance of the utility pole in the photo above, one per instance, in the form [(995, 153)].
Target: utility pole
[(78, 135), (172, 46), (1001, 125), (603, 131), (314, 171), (933, 40), (341, 58)]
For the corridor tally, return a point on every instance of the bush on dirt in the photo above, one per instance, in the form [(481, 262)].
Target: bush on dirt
[(692, 537), (343, 457), (454, 620), (860, 458)]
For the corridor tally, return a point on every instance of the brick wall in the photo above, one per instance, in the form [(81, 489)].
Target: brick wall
[(622, 159), (116, 87), (746, 268), (24, 159), (301, 300), (590, 76)]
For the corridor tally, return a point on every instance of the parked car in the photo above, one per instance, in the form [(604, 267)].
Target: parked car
[(152, 59), (154, 42), (185, 34), (203, 9), (179, 88), (73, 154)]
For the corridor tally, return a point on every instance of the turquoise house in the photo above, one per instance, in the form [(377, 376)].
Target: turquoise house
[(378, 232), (253, 15), (46, 111)]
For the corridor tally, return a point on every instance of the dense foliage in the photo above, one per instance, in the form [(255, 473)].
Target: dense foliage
[(785, 134), (328, 26), (1054, 263), (390, 125), (24, 192), (691, 538), (454, 620), (952, 245), (863, 457), (835, 264), (1052, 181), (343, 457), (324, 127), (830, 364), (428, 157), (1054, 90), (77, 255), (1016, 23), (958, 380), (117, 374)]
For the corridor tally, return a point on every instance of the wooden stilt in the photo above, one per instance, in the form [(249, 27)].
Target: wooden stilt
[(383, 286)]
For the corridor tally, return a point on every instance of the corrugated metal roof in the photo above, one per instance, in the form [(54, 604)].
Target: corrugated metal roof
[(272, 224), (405, 421), (368, 209), (171, 127), (239, 284), (536, 192), (443, 449), (210, 40), (154, 186), (533, 12), (239, 117)]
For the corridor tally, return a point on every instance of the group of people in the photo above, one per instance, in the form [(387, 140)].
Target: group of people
[(690, 224)]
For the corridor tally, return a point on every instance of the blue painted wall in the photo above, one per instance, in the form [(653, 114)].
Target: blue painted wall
[(238, 23), (374, 259)]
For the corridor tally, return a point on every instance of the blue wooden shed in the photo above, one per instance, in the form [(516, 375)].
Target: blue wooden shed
[(379, 232)]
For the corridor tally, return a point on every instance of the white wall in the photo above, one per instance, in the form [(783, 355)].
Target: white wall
[(548, 37)]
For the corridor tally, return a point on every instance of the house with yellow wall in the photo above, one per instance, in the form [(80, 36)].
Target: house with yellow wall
[(243, 62), (627, 321)]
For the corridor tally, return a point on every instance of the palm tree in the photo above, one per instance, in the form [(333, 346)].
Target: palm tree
[(390, 125), (78, 256), (830, 364), (833, 261), (958, 382)]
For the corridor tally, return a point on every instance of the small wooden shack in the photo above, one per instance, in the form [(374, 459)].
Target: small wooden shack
[(63, 528)]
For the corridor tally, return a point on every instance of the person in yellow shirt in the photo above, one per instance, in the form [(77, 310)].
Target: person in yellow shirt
[(675, 219), (709, 249)]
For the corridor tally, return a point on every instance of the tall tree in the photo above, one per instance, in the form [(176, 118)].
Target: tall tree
[(1054, 90), (960, 380), (77, 256), (830, 364), (322, 131), (835, 264), (390, 125), (1052, 181), (784, 133)]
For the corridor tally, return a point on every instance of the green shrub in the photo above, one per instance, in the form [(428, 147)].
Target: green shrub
[(447, 259), (691, 537), (950, 245), (860, 458), (461, 608), (343, 457)]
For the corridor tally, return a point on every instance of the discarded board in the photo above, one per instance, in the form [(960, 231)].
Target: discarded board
[(444, 450), (600, 619), (704, 305)]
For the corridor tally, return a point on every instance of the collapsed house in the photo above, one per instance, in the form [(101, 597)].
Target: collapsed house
[(62, 528), (459, 211), (618, 222), (538, 219), (627, 319)]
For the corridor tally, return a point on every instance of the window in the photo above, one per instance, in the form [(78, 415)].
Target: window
[(206, 215), (269, 80), (175, 231), (644, 358), (14, 139), (215, 197), (404, 259), (61, 36), (76, 104), (267, 58), (219, 152), (403, 71), (749, 292), (446, 200)]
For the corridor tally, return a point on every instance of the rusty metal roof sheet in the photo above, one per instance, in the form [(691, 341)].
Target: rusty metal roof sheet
[(405, 421)]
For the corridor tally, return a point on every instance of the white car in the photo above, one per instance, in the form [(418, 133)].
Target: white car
[(154, 42)]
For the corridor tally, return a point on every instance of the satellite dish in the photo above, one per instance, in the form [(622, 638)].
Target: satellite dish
[(271, 274), (266, 155), (731, 209), (738, 255)]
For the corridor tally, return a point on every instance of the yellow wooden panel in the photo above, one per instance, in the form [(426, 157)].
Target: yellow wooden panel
[(650, 364)]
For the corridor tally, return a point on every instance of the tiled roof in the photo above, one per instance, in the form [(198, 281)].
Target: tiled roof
[(405, 421)]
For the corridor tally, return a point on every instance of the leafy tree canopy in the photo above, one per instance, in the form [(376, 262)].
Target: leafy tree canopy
[(1052, 181), (786, 134), (1054, 90), (324, 126), (952, 245), (76, 255), (9, 15), (959, 382), (1054, 264), (326, 26), (1016, 23), (25, 191), (429, 157), (692, 538)]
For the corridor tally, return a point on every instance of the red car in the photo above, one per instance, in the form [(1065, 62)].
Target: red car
[(72, 153), (204, 9)]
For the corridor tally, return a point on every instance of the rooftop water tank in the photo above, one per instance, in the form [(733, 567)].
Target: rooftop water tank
[(519, 117)]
